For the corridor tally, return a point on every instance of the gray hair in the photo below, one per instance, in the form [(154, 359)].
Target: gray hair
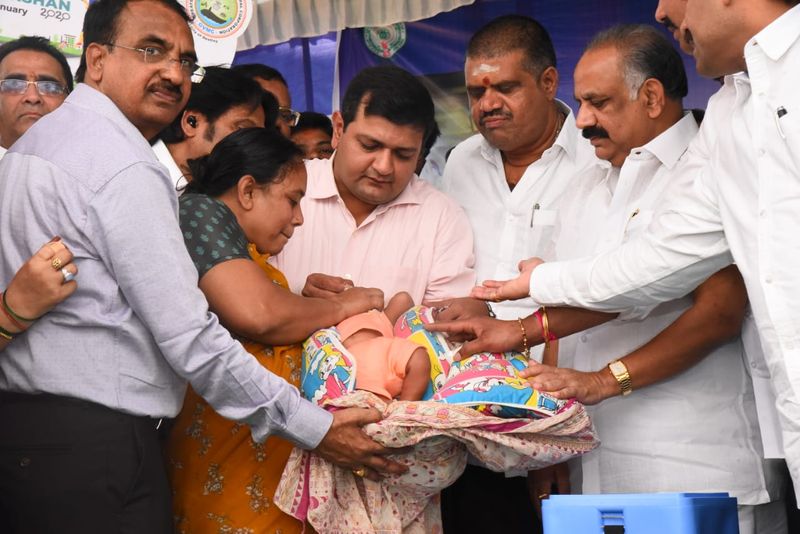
[(645, 54)]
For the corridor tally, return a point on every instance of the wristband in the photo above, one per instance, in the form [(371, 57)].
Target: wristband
[(11, 318), (16, 316), (547, 335)]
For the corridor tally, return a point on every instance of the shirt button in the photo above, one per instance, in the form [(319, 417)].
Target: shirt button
[(762, 213), (768, 279), (754, 365), (24, 461), (762, 152), (584, 338)]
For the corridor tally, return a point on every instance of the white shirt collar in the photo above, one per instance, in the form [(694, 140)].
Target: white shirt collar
[(776, 39), (166, 159), (673, 142), (566, 140)]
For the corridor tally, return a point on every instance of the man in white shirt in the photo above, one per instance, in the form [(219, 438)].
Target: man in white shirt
[(690, 424), (223, 102), (510, 177), (742, 203)]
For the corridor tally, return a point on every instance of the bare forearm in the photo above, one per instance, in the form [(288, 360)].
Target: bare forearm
[(288, 318), (564, 322)]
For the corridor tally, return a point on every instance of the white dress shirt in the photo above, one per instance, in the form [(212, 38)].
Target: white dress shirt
[(697, 430), (745, 201), (511, 225)]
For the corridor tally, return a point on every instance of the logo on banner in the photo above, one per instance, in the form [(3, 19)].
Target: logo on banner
[(219, 19), (385, 41)]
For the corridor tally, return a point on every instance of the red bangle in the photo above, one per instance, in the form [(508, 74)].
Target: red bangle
[(11, 318), (541, 316)]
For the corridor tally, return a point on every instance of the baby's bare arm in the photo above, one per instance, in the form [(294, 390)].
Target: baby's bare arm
[(397, 306), (418, 374)]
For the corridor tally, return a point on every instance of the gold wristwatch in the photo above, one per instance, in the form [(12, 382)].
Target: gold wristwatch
[(622, 376)]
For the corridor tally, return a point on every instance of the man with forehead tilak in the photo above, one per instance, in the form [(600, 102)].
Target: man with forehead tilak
[(510, 178), (84, 390)]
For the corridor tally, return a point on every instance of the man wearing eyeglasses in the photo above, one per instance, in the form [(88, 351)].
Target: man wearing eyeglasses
[(272, 81), (34, 80), (84, 390)]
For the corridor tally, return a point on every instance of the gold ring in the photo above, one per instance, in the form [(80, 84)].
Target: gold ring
[(56, 263), (360, 472), (544, 496)]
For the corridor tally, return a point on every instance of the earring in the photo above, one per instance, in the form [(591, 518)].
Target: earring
[(192, 121)]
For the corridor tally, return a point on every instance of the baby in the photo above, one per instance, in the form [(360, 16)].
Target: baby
[(388, 366)]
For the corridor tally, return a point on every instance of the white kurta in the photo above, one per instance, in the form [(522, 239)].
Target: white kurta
[(696, 431), (746, 200), (512, 225)]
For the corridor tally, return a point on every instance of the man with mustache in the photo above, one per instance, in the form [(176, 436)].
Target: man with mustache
[(369, 220), (510, 179), (34, 80), (223, 102), (670, 13), (84, 390), (742, 206), (684, 359)]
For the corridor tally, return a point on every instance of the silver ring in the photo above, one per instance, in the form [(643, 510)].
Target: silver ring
[(68, 275)]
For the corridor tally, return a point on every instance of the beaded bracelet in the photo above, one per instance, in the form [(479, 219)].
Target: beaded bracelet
[(16, 316), (526, 351)]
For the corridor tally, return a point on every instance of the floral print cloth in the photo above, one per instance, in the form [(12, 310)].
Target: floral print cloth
[(334, 500)]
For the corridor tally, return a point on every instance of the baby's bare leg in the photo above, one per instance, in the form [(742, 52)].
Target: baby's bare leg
[(398, 305), (418, 374)]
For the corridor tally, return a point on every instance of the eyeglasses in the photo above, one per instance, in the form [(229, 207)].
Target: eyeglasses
[(45, 87), (154, 55), (289, 116)]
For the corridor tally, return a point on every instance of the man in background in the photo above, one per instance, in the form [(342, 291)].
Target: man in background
[(34, 80), (272, 81)]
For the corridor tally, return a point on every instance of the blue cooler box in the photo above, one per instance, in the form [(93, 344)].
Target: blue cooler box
[(644, 513)]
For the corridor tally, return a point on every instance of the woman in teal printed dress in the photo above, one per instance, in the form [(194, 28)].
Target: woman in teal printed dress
[(242, 205)]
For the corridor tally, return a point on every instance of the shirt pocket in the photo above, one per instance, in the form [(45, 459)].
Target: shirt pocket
[(638, 222), (541, 227)]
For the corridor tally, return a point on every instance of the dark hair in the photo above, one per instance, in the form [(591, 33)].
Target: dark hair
[(392, 93), (264, 154), (510, 33), (101, 21), (38, 44), (220, 90), (259, 70), (646, 53), (311, 120)]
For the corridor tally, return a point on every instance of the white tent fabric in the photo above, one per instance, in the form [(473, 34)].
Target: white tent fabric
[(276, 21)]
